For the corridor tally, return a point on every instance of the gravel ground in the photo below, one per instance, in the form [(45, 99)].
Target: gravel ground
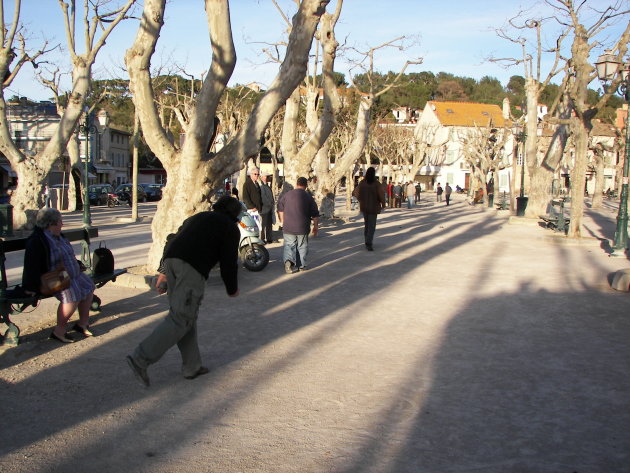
[(461, 344)]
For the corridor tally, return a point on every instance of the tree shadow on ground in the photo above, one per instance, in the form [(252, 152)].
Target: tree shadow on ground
[(272, 307), (522, 381)]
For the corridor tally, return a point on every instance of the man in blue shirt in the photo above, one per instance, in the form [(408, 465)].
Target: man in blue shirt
[(296, 209)]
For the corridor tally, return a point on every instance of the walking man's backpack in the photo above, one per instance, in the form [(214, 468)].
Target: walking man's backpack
[(103, 260)]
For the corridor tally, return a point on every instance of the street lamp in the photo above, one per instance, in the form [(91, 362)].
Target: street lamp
[(85, 129), (608, 67), (521, 201)]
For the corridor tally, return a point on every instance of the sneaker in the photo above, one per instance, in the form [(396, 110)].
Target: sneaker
[(303, 268), (141, 373), (289, 267)]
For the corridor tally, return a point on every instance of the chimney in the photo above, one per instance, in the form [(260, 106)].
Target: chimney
[(506, 108)]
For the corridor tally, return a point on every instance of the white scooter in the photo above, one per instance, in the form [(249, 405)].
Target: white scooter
[(251, 248)]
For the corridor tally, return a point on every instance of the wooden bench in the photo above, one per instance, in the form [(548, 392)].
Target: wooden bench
[(13, 303), (556, 220)]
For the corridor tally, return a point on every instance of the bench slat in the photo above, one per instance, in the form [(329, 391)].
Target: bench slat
[(75, 234)]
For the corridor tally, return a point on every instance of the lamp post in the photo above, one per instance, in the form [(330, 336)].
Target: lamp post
[(521, 200), (85, 129), (608, 67)]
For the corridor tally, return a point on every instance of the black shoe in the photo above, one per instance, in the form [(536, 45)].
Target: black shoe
[(65, 338), (369, 247), (201, 371), (141, 373), (289, 267)]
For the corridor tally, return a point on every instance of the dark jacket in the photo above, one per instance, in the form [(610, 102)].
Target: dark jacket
[(371, 197), (298, 207), (205, 239), (251, 195), (36, 260)]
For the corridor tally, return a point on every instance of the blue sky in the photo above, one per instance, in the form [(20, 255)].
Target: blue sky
[(453, 36)]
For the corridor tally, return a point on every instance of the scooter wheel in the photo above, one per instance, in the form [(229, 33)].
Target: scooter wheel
[(254, 257), (96, 303)]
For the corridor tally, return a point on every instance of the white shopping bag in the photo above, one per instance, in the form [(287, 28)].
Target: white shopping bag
[(256, 216)]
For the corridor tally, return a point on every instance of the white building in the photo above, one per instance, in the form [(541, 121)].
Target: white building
[(441, 129)]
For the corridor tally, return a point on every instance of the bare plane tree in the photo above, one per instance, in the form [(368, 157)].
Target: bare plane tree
[(581, 73), (193, 171), (483, 151), (540, 173), (355, 149), (33, 170)]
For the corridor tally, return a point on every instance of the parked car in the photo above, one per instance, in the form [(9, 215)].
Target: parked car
[(98, 193), (153, 191), (123, 189)]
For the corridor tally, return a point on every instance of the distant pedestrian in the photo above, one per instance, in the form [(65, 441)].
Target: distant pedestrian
[(296, 210), (447, 193), (418, 190), (439, 192), (371, 203), (46, 196), (411, 193), (390, 195), (203, 240), (267, 210), (397, 191)]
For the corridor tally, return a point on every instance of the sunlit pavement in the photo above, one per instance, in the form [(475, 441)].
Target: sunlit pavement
[(462, 343)]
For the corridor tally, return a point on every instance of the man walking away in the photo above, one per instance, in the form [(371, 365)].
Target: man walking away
[(296, 210), (447, 194), (411, 194), (371, 203), (397, 193), (266, 213), (203, 240)]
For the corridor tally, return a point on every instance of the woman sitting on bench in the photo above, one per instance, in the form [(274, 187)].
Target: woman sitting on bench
[(46, 249)]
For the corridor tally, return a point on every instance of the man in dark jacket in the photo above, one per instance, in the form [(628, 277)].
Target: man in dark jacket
[(202, 241), (296, 209), (371, 203), (397, 191), (251, 191)]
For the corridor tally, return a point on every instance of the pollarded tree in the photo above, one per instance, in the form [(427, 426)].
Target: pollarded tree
[(532, 55), (193, 170), (33, 170), (367, 97), (581, 74), (300, 159), (482, 148)]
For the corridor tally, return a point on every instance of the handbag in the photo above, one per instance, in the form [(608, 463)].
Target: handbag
[(54, 281)]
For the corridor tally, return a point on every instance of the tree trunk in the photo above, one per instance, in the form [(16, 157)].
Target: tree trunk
[(598, 193), (578, 178), (193, 173)]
